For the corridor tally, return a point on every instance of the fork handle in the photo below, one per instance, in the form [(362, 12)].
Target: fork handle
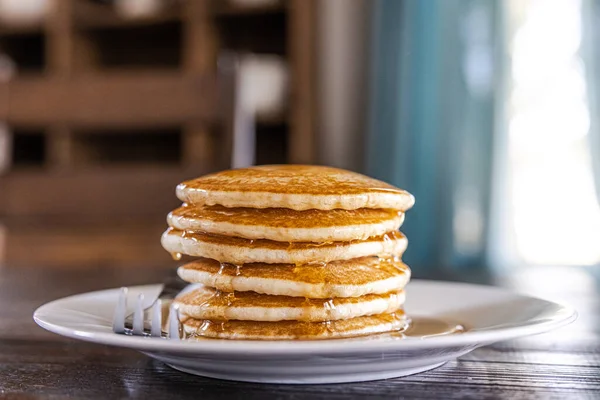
[(171, 288)]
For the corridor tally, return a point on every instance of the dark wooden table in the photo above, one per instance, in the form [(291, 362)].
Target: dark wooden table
[(564, 364)]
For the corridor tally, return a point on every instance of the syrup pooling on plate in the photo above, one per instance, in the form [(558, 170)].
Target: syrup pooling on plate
[(426, 327), (423, 327)]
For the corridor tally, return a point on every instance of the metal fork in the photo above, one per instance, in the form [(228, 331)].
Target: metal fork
[(149, 321)]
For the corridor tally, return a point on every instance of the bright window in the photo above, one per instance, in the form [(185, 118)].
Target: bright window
[(546, 207)]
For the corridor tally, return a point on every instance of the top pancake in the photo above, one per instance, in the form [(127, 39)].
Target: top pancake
[(298, 187)]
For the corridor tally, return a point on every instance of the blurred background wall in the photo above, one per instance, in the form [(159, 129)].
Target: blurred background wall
[(344, 49), (486, 110)]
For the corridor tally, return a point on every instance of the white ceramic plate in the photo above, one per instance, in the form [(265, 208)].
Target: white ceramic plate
[(489, 314)]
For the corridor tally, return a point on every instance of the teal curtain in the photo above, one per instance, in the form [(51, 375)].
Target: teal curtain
[(435, 66)]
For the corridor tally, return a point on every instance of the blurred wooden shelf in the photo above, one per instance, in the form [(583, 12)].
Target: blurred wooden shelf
[(110, 99), (278, 119), (108, 113), (21, 29), (103, 16), (87, 243), (106, 191), (232, 9)]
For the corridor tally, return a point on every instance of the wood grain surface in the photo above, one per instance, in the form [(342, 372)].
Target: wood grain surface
[(564, 364)]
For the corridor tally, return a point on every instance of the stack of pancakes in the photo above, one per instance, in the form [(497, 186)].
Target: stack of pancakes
[(290, 252)]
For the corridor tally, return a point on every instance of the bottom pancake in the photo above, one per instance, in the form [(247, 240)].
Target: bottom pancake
[(196, 329)]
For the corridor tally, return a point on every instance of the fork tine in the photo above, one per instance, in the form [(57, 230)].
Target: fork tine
[(138, 316), (120, 311), (156, 322), (174, 323)]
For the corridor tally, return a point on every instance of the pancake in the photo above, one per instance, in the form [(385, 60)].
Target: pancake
[(240, 251), (290, 330), (298, 187), (285, 225), (350, 278), (208, 303)]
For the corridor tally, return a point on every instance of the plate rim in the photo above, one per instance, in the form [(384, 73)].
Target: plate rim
[(565, 315)]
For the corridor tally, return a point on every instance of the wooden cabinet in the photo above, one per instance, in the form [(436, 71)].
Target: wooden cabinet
[(107, 114)]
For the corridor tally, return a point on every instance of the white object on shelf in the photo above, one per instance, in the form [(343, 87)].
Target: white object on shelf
[(139, 8), (23, 12), (263, 83), (254, 3), (5, 148), (244, 137), (261, 93)]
